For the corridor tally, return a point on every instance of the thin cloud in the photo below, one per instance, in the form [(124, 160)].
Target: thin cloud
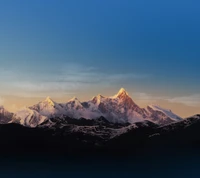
[(127, 76), (69, 79), (191, 100), (147, 97)]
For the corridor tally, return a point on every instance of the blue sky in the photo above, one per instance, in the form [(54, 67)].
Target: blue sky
[(60, 47)]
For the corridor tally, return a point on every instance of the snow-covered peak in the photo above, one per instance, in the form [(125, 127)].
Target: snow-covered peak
[(74, 99), (28, 117), (156, 107), (97, 99), (49, 101), (100, 96), (166, 112), (122, 93), (47, 98), (48, 108), (74, 103)]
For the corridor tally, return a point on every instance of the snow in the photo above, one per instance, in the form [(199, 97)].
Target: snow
[(74, 102), (48, 108), (73, 99), (28, 117), (119, 108), (122, 91), (167, 112)]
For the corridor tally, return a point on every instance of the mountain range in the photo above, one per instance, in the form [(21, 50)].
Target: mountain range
[(108, 123), (119, 108)]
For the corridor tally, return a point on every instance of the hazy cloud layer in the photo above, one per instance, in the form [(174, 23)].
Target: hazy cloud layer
[(71, 78), (191, 100), (68, 79), (147, 97)]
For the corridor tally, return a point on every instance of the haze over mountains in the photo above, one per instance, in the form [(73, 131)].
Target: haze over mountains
[(119, 108)]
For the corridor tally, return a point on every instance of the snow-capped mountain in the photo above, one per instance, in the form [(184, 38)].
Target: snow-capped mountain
[(48, 108), (28, 117), (119, 108), (75, 109), (5, 116), (161, 116)]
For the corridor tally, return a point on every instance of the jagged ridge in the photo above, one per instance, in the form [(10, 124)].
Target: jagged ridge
[(119, 108)]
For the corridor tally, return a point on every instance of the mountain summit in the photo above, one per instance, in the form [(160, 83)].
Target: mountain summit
[(121, 93), (119, 108), (49, 101)]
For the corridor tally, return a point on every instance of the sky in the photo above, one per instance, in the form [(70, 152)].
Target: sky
[(67, 48)]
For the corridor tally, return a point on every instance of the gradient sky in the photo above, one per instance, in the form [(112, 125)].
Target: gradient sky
[(66, 48)]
